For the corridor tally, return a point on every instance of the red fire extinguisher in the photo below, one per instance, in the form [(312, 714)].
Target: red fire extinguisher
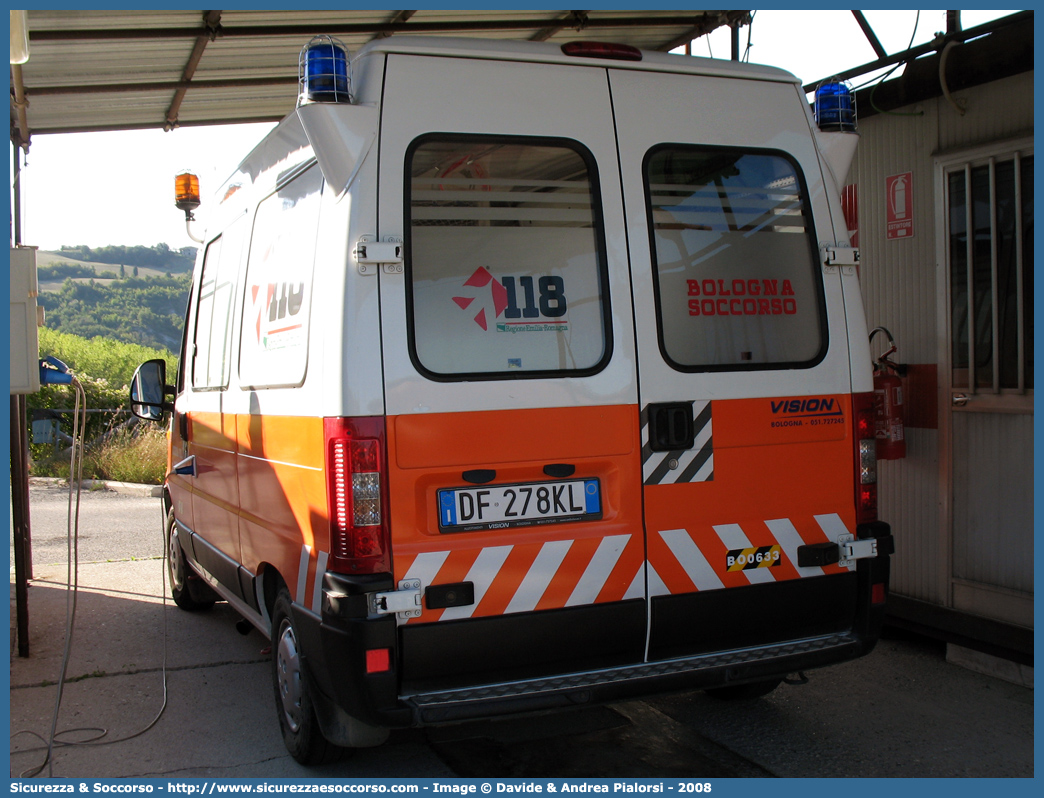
[(888, 403)]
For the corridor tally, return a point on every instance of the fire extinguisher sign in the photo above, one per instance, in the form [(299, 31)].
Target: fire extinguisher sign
[(899, 193)]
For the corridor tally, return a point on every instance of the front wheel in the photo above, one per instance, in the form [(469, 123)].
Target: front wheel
[(187, 589), (301, 733)]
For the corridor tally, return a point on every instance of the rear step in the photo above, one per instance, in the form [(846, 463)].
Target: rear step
[(575, 688)]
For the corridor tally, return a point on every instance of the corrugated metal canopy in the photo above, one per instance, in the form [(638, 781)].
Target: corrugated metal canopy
[(119, 70)]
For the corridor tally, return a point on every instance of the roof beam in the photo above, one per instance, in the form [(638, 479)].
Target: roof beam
[(712, 21), (1021, 18), (574, 19), (401, 17), (107, 128), (211, 28), (870, 35), (162, 85), (347, 28)]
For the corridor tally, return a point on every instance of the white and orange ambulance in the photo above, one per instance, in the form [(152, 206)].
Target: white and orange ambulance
[(529, 376)]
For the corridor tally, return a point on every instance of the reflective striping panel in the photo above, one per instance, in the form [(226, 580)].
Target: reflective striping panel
[(684, 548), (597, 572), (528, 577), (726, 556), (783, 530), (539, 576)]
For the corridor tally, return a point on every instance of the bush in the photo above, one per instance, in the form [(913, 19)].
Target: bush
[(104, 368), (138, 455), (130, 456), (101, 358), (60, 400), (62, 270)]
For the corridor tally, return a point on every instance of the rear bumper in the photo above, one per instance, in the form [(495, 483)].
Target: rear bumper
[(807, 627), (705, 670)]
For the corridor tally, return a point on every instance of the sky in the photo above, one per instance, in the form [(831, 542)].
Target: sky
[(101, 189)]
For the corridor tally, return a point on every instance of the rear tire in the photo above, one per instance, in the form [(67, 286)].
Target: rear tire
[(744, 692), (188, 590), (297, 720)]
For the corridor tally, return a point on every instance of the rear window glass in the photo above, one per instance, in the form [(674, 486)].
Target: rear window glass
[(505, 258), (737, 281)]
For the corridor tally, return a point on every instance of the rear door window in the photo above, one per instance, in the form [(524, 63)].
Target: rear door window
[(505, 259), (736, 272)]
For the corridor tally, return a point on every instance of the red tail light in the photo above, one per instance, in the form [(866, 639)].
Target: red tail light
[(357, 495), (865, 458)]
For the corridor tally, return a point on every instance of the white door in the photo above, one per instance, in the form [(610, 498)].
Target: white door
[(509, 370), (989, 366), (744, 374)]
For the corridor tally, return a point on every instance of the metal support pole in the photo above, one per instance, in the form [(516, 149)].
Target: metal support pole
[(734, 30), (21, 537), (870, 35), (20, 519), (16, 206), (969, 224)]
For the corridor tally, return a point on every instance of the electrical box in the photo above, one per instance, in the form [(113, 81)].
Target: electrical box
[(25, 343)]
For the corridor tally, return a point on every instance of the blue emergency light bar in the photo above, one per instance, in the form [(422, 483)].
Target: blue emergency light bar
[(835, 107), (323, 72)]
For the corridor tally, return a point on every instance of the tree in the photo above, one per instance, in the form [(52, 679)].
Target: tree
[(149, 311)]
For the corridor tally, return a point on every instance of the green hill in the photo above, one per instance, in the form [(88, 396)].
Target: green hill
[(122, 301), (53, 268)]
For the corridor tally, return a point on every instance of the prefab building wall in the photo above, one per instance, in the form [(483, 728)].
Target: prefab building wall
[(961, 501)]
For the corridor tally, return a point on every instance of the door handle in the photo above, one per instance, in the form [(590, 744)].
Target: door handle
[(187, 467), (671, 427), (960, 399)]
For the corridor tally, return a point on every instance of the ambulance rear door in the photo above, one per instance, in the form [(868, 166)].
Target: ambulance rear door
[(743, 361), (509, 372)]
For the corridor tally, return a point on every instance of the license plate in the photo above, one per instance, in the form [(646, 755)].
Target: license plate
[(503, 506)]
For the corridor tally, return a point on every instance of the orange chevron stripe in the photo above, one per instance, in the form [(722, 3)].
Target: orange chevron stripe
[(511, 574), (564, 581), (621, 577)]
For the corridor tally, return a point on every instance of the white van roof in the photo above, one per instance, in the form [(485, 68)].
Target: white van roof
[(287, 147), (545, 52)]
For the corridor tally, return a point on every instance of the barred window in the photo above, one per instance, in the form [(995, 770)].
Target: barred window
[(992, 323)]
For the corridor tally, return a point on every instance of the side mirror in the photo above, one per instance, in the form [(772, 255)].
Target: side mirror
[(149, 389)]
